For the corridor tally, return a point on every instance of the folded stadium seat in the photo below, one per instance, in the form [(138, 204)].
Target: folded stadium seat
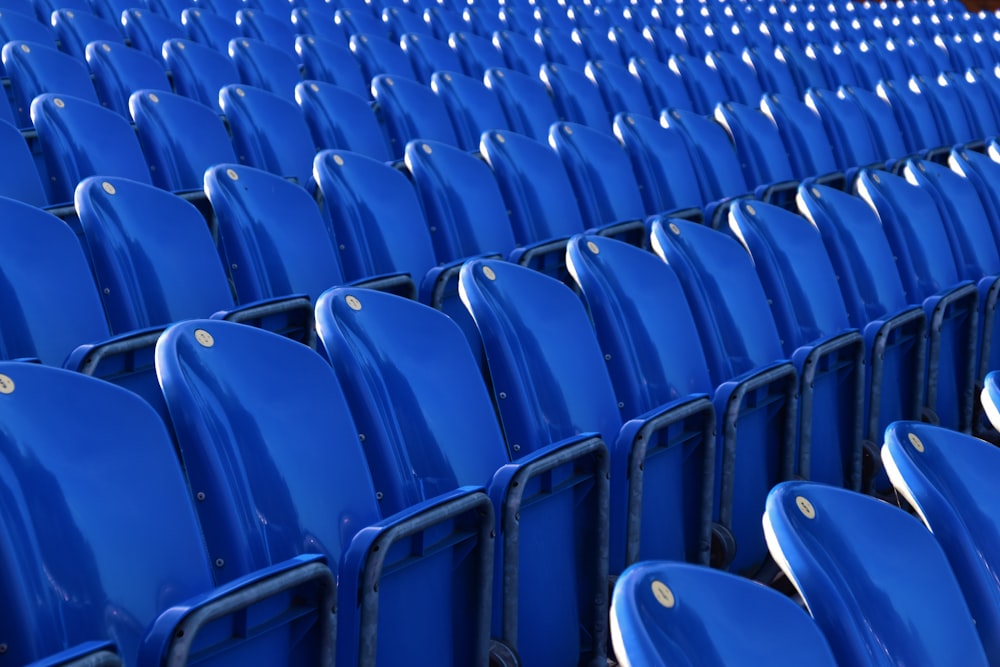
[(80, 139), (120, 70), (664, 41), (275, 30), (519, 19), (269, 132), (75, 30), (576, 97), (15, 25), (525, 100), (299, 486), (969, 232), (761, 153), (741, 341), (631, 44), (484, 19), (354, 21), (963, 52), (209, 29), (836, 66), (443, 21), (922, 59), (806, 141), (737, 75), (44, 8), (977, 100), (19, 177), (180, 138), (672, 613), (700, 39), (869, 70), (596, 44), (325, 60), (704, 84), (807, 72), (982, 171), (774, 75), (547, 614), (410, 110), (320, 24), (714, 161), (890, 56), (943, 474), (155, 263), (887, 136), (621, 91), (848, 132), (64, 560), (950, 114), (601, 175), (378, 55), (225, 8), (926, 262), (664, 89), (894, 331), (816, 333), (472, 107), (560, 48), (554, 18), (168, 9), (337, 118), (877, 583), (519, 51), (404, 20), (265, 66), (199, 71), (476, 53), (429, 55), (34, 69), (147, 30)]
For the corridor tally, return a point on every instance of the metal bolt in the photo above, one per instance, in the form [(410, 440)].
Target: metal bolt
[(200, 495)]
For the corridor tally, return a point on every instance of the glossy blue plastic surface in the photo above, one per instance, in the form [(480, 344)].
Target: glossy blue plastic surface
[(77, 29), (847, 129), (802, 131), (712, 153), (671, 613), (180, 138), (324, 59), (704, 84), (575, 96), (875, 580), (519, 51), (882, 124), (19, 178), (429, 55), (87, 469), (621, 91), (758, 144), (476, 52), (274, 29), (913, 113), (663, 87), (269, 132), (199, 71), (266, 65), (525, 101), (120, 70), (472, 107), (147, 30), (338, 118), (271, 233), (38, 68), (378, 55), (81, 139), (153, 256), (948, 477), (411, 110)]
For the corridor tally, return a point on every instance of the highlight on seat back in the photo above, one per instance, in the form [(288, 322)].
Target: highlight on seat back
[(762, 156), (576, 98), (875, 580), (120, 70), (411, 110), (990, 398), (945, 475), (525, 101), (265, 65), (337, 118), (284, 474), (84, 491), (326, 60), (390, 390), (672, 613), (35, 69), (199, 71), (472, 107)]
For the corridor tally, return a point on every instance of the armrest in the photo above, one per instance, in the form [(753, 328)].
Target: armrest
[(881, 336), (717, 212), (88, 654), (780, 194), (303, 585), (442, 280), (548, 257), (638, 438), (587, 454), (291, 316), (963, 298), (371, 553), (110, 357), (400, 284), (835, 179), (632, 232), (989, 291)]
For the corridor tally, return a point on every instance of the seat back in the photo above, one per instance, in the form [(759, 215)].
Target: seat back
[(153, 256), (913, 113), (472, 107), (180, 138), (704, 85), (77, 29), (337, 118), (882, 124), (802, 132), (866, 570), (146, 30), (199, 71), (737, 75), (119, 71), (325, 60), (272, 235), (846, 129), (377, 55), (663, 87), (19, 178), (758, 143), (209, 29), (663, 612), (81, 139), (713, 154), (525, 101), (576, 98), (620, 89), (429, 55), (265, 65), (519, 51), (476, 53), (411, 110), (35, 69), (275, 30)]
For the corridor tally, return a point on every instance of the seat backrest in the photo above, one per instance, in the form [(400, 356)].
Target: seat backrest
[(774, 75), (210, 29), (673, 613), (355, 21), (538, 192), (264, 65), (704, 84), (180, 138), (378, 224), (525, 101), (411, 110), (275, 30), (519, 51), (472, 107), (713, 154), (983, 173), (81, 139), (17, 26), (874, 579), (576, 98), (378, 55), (663, 87), (35, 69), (152, 252), (146, 31), (120, 70), (75, 488), (429, 55), (269, 132), (476, 53), (325, 60), (77, 29), (846, 128), (272, 235), (802, 131), (943, 474), (738, 76), (19, 178), (560, 48), (462, 201), (405, 20), (337, 118), (882, 124), (913, 113), (199, 71), (50, 295), (620, 89), (758, 143), (808, 72), (600, 172)]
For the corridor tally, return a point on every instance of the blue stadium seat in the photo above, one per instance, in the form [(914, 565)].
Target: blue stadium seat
[(319, 24), (704, 84), (560, 48), (272, 29), (773, 75), (672, 613), (354, 21), (35, 69), (199, 71), (762, 155), (847, 130), (476, 53), (263, 65), (405, 20), (84, 492), (576, 98), (525, 100), (805, 139), (885, 131), (389, 387), (472, 107), (737, 75), (337, 118), (325, 60), (120, 70), (301, 485), (519, 51), (621, 90), (443, 20), (75, 30), (874, 579), (429, 55), (943, 475), (410, 110), (19, 177), (210, 29), (146, 31), (377, 55), (915, 117)]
